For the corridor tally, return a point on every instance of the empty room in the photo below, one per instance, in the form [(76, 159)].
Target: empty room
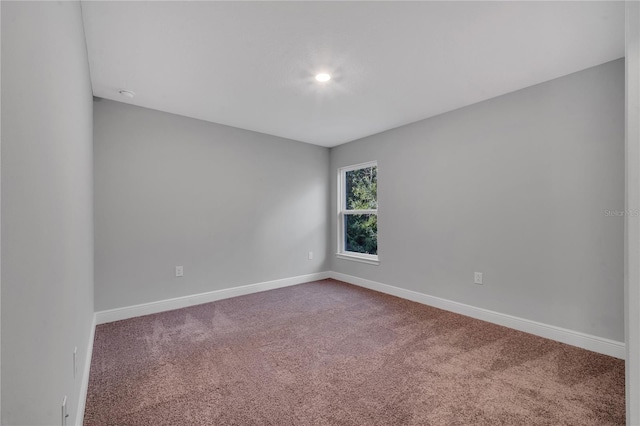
[(320, 213)]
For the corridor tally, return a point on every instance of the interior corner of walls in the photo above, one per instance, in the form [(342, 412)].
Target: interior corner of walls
[(168, 156)]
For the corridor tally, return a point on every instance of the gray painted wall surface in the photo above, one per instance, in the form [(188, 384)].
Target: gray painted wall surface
[(47, 205), (632, 224), (515, 187), (232, 206)]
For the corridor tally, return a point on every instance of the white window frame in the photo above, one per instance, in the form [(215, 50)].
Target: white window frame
[(371, 259)]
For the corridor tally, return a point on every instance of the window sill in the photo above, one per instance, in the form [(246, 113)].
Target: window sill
[(356, 258)]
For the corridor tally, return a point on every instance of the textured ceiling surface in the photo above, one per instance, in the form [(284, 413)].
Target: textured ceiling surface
[(252, 64)]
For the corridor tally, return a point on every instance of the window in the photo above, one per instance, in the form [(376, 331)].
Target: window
[(358, 213)]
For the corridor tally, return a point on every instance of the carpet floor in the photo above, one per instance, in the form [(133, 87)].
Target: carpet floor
[(329, 353)]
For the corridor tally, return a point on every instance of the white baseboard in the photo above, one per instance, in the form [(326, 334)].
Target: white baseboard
[(582, 340), (82, 398), (197, 299), (574, 338)]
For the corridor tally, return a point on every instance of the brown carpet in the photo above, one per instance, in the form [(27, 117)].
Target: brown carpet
[(328, 353)]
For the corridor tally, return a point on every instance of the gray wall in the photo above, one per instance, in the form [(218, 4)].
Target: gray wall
[(47, 219), (515, 187), (632, 223), (233, 207)]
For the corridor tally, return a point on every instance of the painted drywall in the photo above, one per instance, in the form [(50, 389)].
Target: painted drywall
[(47, 210), (233, 207), (632, 228), (516, 187), (0, 225)]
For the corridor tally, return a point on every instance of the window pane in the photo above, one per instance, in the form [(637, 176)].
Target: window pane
[(361, 233), (362, 189)]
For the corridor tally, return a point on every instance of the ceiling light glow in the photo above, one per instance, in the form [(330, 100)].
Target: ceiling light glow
[(323, 77)]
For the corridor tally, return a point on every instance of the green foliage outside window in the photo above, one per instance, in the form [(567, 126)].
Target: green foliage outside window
[(361, 230)]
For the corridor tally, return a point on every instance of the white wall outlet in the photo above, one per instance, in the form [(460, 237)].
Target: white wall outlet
[(477, 277), (75, 362), (310, 255), (64, 413), (179, 271)]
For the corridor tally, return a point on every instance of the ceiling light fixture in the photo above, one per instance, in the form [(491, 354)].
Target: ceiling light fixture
[(127, 93), (323, 77)]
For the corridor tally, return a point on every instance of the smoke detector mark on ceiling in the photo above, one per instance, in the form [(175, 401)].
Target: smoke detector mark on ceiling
[(127, 94)]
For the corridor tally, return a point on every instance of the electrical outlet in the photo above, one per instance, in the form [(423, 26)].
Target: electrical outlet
[(310, 255), (179, 271), (64, 413), (477, 277), (75, 362)]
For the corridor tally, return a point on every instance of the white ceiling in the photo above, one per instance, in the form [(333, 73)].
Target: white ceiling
[(252, 64)]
